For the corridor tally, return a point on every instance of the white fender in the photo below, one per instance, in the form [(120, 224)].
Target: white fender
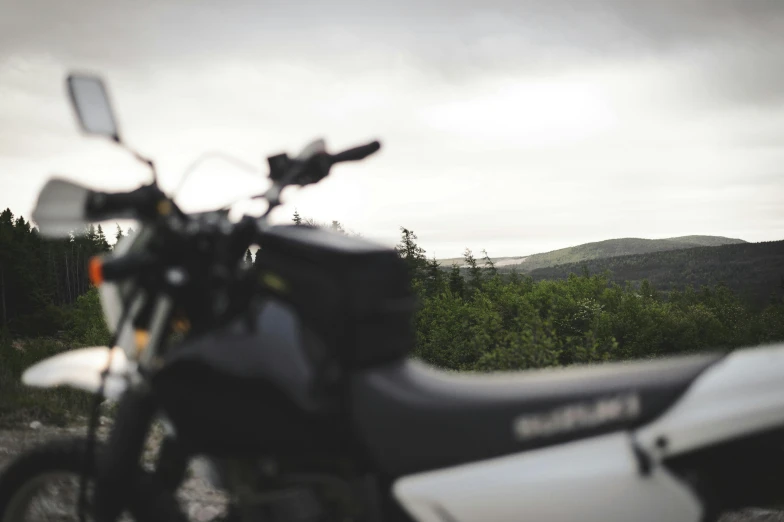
[(81, 369)]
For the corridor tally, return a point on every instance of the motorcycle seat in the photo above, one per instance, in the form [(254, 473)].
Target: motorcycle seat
[(411, 417)]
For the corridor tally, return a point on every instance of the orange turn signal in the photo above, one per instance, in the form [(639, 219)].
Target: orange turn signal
[(142, 337), (95, 269)]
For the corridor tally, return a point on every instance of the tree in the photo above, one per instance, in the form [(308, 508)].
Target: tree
[(91, 233), (435, 277), (337, 227), (489, 265), (100, 240), (474, 272), (411, 253), (456, 281), (297, 218), (118, 235), (2, 297), (248, 257)]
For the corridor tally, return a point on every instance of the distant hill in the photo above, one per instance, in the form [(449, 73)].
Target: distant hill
[(751, 269), (601, 250)]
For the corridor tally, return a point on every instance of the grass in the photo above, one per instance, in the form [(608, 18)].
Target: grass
[(19, 403)]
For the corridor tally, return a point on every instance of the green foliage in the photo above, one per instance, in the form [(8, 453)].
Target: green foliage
[(456, 282), (480, 318), (85, 327), (413, 255), (88, 327), (20, 403), (38, 277), (485, 322), (474, 272)]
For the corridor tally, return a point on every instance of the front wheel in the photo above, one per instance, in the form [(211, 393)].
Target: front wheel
[(53, 470)]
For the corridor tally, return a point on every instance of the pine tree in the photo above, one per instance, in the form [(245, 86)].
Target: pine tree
[(489, 265), (456, 281), (100, 240), (248, 257), (435, 277), (118, 235), (412, 254), (297, 218), (474, 272)]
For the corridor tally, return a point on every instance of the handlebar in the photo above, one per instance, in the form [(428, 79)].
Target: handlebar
[(149, 202)]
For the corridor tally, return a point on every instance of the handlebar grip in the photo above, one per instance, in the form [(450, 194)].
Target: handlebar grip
[(357, 153), (141, 202)]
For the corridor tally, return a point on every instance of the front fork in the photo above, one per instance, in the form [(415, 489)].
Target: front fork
[(172, 463), (115, 470)]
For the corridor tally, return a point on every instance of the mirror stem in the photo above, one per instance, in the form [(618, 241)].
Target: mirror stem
[(144, 160)]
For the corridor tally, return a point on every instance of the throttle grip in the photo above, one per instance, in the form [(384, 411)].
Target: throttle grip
[(357, 153)]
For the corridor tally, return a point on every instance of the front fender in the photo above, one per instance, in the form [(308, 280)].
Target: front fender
[(81, 369)]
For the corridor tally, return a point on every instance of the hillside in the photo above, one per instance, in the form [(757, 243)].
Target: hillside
[(600, 250), (618, 247), (751, 269)]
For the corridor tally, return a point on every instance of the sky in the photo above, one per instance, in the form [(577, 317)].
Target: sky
[(512, 126)]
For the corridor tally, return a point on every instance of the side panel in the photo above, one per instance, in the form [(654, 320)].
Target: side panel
[(740, 395), (595, 479), (81, 369)]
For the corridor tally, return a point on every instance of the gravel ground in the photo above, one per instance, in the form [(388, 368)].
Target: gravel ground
[(201, 501)]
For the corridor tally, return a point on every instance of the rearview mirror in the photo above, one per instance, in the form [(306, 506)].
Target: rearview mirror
[(91, 104), (61, 208), (313, 148)]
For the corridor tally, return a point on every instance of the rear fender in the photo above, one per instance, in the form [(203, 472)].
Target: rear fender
[(81, 369)]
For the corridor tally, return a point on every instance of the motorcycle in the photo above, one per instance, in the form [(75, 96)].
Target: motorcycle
[(294, 378)]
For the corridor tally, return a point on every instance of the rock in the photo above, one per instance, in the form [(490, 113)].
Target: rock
[(35, 425), (203, 513)]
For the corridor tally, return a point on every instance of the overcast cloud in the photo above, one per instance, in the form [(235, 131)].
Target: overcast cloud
[(517, 126)]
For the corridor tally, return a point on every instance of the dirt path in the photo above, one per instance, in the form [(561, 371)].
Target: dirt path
[(200, 501)]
